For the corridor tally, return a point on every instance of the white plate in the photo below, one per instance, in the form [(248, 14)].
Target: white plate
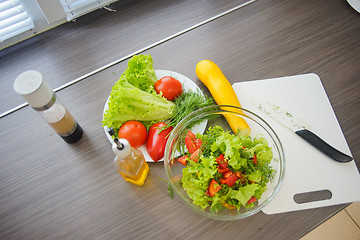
[(355, 4), (188, 84)]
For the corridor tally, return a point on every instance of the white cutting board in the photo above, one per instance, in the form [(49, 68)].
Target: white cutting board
[(306, 168)]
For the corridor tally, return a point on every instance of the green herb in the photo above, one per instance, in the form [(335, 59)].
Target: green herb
[(170, 190), (187, 103)]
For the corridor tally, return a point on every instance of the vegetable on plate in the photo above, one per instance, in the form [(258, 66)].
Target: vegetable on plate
[(168, 87), (157, 139), (140, 98), (133, 97), (188, 102), (133, 131)]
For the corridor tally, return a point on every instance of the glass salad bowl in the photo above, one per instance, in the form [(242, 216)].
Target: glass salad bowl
[(219, 174)]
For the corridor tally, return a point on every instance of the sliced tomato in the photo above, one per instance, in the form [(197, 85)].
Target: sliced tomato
[(241, 177), (221, 161), (195, 155), (251, 200), (228, 174), (198, 143), (223, 180), (190, 142), (220, 158), (223, 170), (254, 159), (191, 135), (238, 174), (230, 181), (207, 192), (183, 160), (214, 187)]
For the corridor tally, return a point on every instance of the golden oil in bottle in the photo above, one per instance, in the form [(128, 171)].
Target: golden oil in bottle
[(130, 162)]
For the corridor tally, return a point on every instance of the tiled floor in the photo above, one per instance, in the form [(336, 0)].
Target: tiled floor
[(345, 226)]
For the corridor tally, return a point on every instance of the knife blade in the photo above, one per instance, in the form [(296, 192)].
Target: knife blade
[(300, 127)]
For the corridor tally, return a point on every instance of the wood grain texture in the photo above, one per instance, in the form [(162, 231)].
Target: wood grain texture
[(76, 48), (52, 190)]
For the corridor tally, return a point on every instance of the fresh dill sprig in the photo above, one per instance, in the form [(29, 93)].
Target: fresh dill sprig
[(170, 190), (187, 103)]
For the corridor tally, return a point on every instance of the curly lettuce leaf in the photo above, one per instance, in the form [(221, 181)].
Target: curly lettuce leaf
[(133, 96), (140, 73), (243, 194)]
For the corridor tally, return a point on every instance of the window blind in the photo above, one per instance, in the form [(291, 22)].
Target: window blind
[(13, 19), (76, 8)]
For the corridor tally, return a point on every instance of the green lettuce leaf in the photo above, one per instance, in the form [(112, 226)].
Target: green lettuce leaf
[(255, 176), (244, 194), (140, 73), (133, 96)]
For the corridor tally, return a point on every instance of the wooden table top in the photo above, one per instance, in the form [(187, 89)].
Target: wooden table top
[(53, 190)]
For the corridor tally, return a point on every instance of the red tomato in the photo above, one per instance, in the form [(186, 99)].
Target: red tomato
[(223, 180), (231, 180), (254, 159), (156, 141), (198, 143), (223, 170), (190, 142), (214, 187), (134, 132), (195, 155), (221, 161), (169, 86), (228, 174), (183, 160), (252, 199), (241, 177)]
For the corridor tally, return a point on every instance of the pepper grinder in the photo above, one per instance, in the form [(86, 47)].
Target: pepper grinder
[(40, 96)]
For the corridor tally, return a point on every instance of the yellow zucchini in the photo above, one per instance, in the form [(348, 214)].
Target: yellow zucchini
[(223, 93)]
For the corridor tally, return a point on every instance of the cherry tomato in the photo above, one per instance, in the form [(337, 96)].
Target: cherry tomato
[(134, 132), (156, 141), (169, 86)]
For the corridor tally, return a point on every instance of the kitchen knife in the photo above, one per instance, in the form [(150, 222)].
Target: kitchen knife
[(299, 126)]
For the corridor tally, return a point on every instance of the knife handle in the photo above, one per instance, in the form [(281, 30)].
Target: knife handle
[(324, 147)]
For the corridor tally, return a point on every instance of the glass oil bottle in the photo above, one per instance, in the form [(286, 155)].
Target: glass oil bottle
[(129, 161)]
